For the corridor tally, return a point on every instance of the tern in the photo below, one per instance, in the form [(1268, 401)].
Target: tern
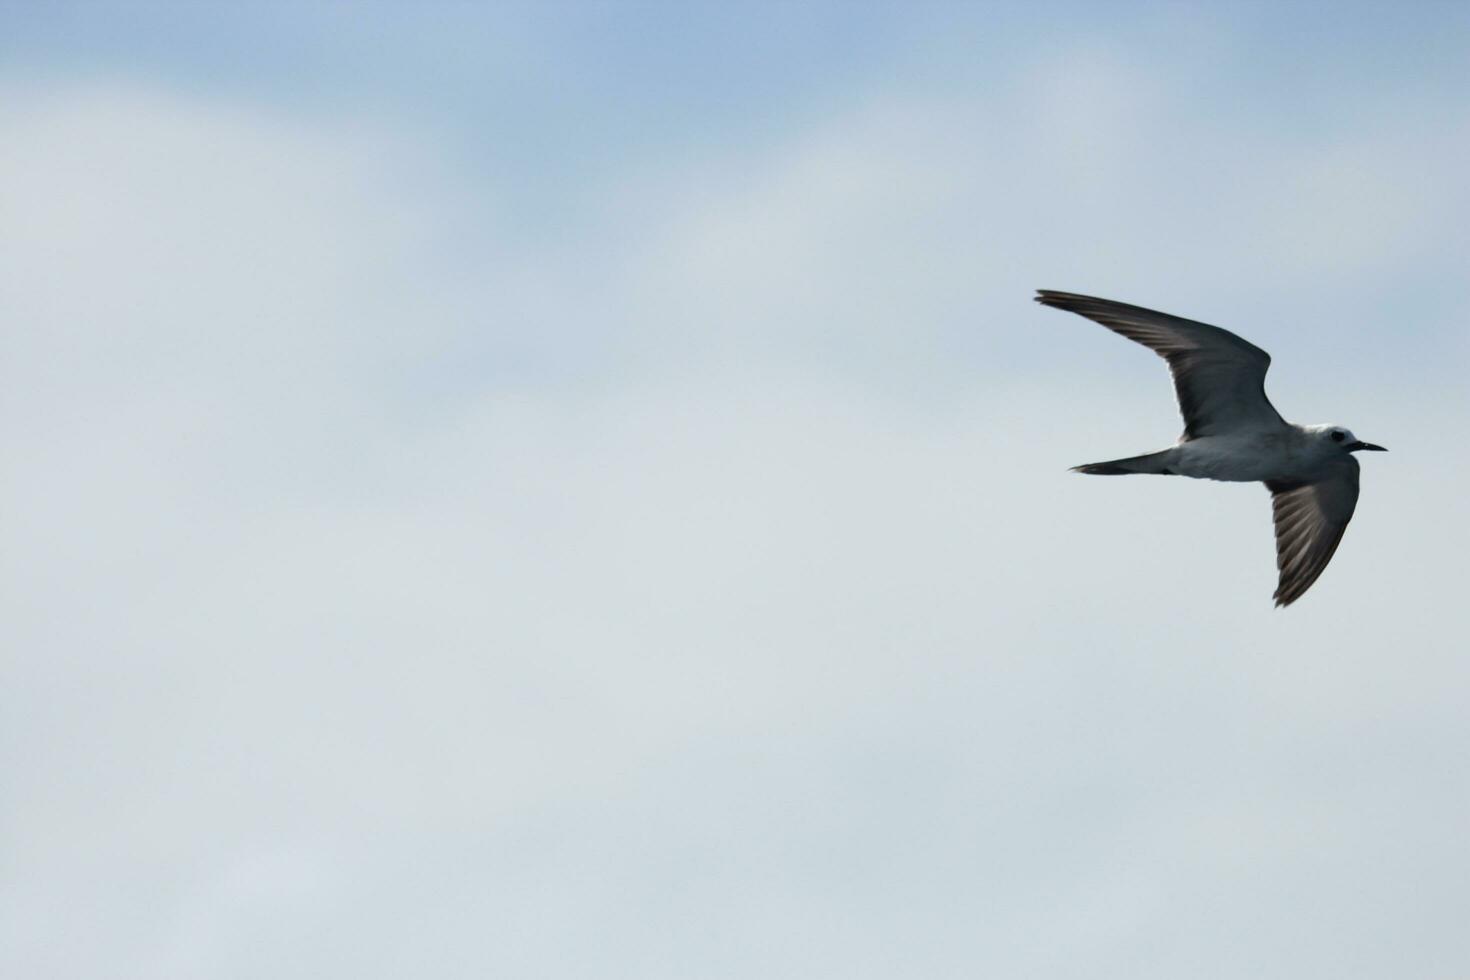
[(1231, 432)]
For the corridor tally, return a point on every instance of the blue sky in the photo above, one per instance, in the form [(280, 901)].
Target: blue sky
[(580, 491)]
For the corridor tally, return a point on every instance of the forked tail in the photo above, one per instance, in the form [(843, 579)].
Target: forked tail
[(1149, 463)]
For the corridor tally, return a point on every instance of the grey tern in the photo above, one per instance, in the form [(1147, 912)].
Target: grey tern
[(1231, 432)]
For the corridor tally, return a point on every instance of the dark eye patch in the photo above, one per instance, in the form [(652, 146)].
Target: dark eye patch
[(1337, 437)]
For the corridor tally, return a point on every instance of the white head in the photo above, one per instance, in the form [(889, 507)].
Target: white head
[(1343, 439)]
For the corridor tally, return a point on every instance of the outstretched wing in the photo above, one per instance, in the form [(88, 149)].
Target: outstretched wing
[(1310, 519), (1220, 380)]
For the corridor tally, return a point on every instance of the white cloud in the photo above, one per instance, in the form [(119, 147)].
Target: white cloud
[(347, 636)]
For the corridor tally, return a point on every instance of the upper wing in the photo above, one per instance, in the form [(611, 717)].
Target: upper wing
[(1220, 379), (1310, 519)]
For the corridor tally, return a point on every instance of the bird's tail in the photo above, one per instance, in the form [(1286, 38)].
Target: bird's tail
[(1148, 463)]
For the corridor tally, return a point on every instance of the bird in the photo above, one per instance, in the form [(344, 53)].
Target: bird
[(1232, 433)]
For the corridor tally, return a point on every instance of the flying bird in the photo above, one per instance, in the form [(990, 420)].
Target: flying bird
[(1231, 432)]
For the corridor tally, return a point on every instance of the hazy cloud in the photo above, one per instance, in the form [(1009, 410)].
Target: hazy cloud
[(393, 585)]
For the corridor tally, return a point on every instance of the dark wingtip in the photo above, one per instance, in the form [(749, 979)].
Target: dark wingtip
[(1062, 300)]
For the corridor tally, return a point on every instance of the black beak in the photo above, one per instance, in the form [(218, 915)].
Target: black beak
[(1355, 446)]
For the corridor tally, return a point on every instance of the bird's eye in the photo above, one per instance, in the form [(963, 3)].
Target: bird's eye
[(1337, 435)]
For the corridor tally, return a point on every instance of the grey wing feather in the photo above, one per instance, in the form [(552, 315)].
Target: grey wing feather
[(1310, 520), (1219, 378)]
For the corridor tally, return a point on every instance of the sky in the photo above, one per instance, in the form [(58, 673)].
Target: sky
[(580, 490)]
